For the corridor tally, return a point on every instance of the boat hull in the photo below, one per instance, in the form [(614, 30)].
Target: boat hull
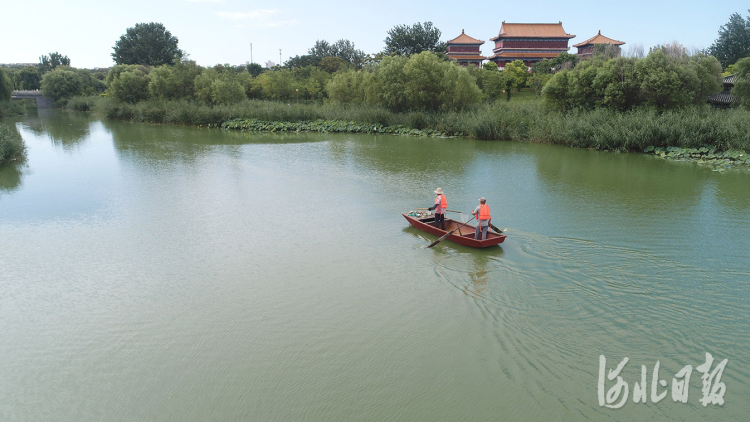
[(464, 237)]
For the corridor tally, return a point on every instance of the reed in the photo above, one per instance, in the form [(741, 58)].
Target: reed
[(12, 147), (689, 127)]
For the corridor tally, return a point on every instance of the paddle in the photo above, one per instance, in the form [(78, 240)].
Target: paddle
[(448, 234), (496, 229)]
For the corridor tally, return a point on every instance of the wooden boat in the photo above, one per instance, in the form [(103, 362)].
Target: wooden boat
[(463, 236)]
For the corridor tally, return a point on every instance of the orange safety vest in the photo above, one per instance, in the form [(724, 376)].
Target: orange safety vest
[(484, 212), (443, 201)]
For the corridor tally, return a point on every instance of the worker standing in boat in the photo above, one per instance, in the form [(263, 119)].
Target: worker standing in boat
[(482, 212), (441, 204)]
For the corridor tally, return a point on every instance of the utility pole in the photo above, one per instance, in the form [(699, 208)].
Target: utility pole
[(279, 57), (251, 52)]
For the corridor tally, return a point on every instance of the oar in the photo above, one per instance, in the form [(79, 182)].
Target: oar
[(448, 234), (496, 229)]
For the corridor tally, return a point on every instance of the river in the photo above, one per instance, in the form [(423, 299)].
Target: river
[(170, 274)]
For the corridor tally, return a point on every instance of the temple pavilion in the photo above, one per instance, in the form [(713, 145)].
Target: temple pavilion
[(586, 48), (465, 50), (529, 42)]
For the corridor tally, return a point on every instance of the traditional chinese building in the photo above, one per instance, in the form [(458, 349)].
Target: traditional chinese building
[(529, 42), (586, 48), (725, 99), (465, 50)]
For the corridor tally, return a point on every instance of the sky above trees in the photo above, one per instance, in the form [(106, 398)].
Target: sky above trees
[(220, 31)]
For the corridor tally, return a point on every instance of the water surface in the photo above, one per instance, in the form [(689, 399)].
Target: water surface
[(171, 273)]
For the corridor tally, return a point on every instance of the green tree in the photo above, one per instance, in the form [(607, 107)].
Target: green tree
[(128, 83), (424, 74), (516, 74), (255, 69), (333, 64), (490, 66), (349, 87), (733, 42), (174, 82), (537, 82), (51, 62), (302, 61), (619, 84), (62, 83), (406, 40), (343, 49), (664, 83), (459, 87), (564, 60), (708, 72), (147, 44), (742, 85), (29, 78), (391, 83), (6, 85), (556, 92)]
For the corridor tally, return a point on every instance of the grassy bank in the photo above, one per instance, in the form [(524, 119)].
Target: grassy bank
[(12, 147), (693, 127), (12, 108)]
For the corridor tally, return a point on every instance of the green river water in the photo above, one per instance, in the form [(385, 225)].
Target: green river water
[(162, 273)]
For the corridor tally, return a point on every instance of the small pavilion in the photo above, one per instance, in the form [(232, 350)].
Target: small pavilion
[(465, 50), (586, 49)]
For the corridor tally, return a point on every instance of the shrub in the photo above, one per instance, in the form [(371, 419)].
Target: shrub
[(12, 146)]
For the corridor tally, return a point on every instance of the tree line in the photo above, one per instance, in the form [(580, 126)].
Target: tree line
[(411, 73)]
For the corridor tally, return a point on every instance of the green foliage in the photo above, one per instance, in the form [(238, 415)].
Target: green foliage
[(489, 66), (255, 69), (174, 82), (537, 81), (564, 60), (406, 40), (14, 107), (664, 80), (349, 87), (147, 44), (128, 83), (63, 83), (332, 64), (12, 147), (742, 85), (212, 87), (51, 62), (543, 66), (6, 85), (390, 81), (343, 49), (734, 41), (515, 74), (29, 78)]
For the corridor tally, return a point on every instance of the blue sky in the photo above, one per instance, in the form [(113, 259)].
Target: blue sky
[(220, 31)]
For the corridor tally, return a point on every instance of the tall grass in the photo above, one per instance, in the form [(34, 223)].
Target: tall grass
[(13, 108), (12, 146), (691, 127)]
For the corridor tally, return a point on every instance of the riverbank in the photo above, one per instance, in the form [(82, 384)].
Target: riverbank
[(692, 127), (12, 108), (12, 147)]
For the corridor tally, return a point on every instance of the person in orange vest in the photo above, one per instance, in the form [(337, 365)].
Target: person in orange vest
[(441, 204), (482, 212)]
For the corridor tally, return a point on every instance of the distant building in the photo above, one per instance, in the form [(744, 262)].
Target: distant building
[(529, 42), (586, 48), (270, 64), (465, 50), (725, 99)]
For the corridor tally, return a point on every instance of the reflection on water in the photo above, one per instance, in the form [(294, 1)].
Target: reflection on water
[(10, 177), (174, 273)]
